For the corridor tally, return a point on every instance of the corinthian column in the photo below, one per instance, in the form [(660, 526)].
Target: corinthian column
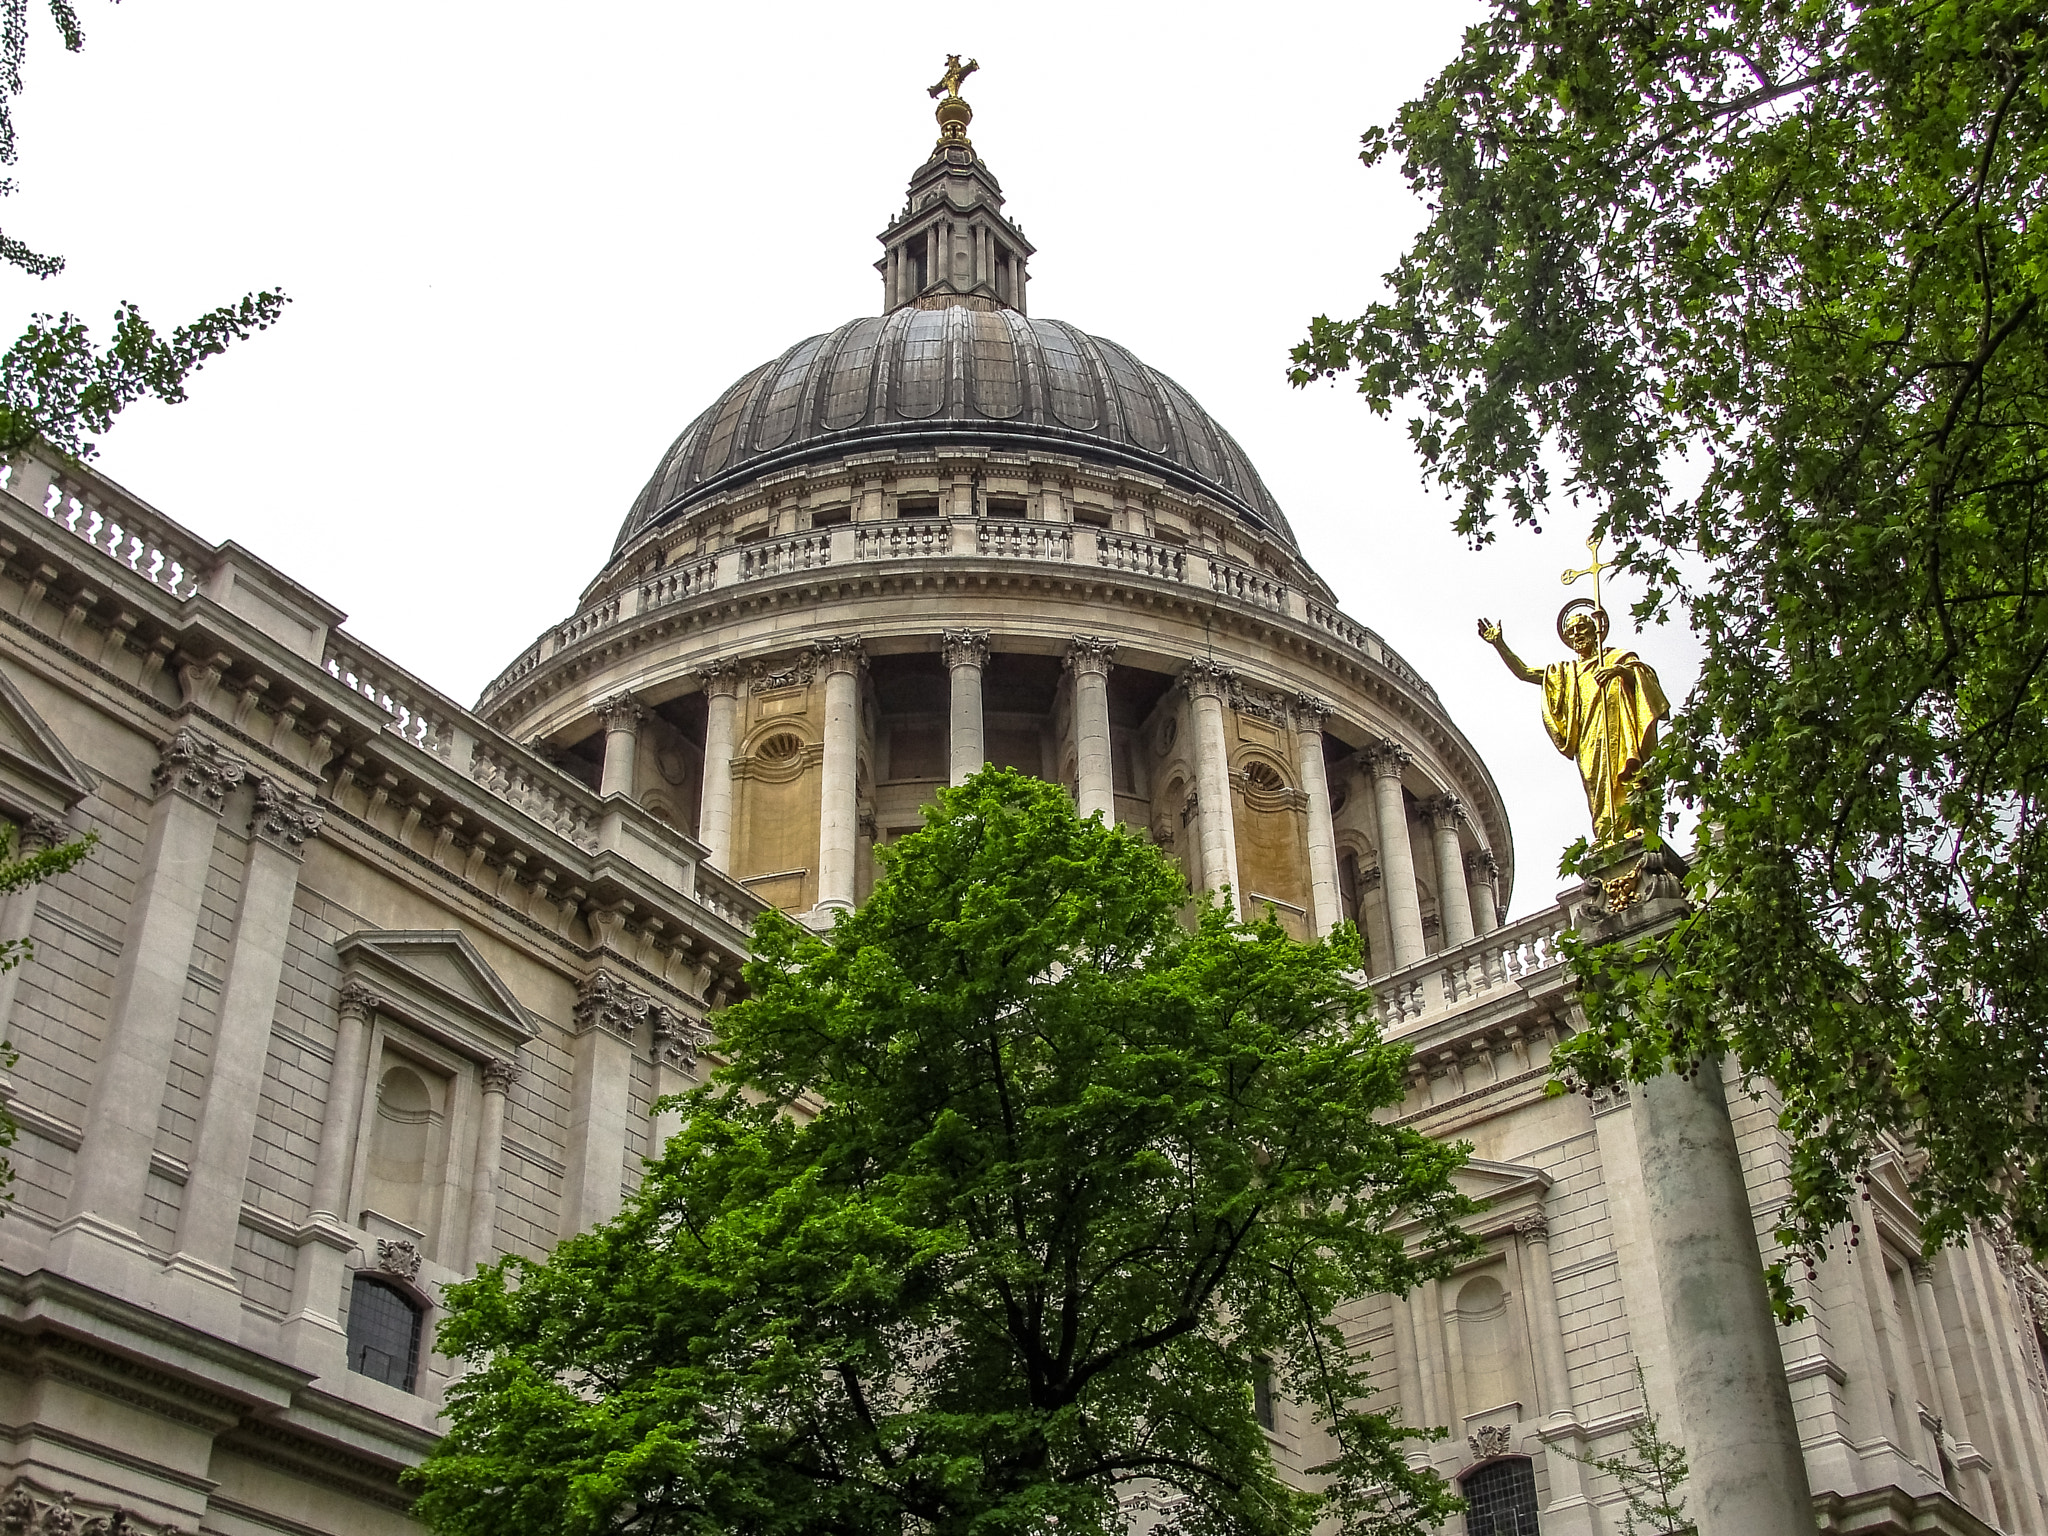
[(622, 715), (1207, 686), (721, 682), (1443, 814), (34, 834), (1094, 785), (1481, 871), (1968, 1461), (966, 656), (212, 1210), (191, 782), (499, 1074), (1326, 907), (840, 660), (1397, 859)]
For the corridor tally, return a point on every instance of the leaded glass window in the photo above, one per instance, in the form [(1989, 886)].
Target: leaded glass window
[(383, 1332), (1500, 1498)]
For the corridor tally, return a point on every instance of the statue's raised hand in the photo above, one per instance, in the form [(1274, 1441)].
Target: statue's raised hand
[(1489, 631)]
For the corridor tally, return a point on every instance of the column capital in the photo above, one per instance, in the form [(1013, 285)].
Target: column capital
[(37, 833), (283, 818), (607, 1003), (197, 769), (1480, 864), (1310, 712), (677, 1037), (840, 654), (964, 647), (357, 1001), (1443, 811), (1387, 759), (721, 679), (621, 712), (1923, 1272), (1089, 655), (1535, 1226), (501, 1073), (1202, 678)]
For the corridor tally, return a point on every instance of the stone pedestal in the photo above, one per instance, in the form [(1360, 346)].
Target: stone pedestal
[(1734, 1405)]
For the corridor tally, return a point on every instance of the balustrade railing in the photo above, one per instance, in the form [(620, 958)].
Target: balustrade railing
[(1246, 585), (587, 623), (416, 715), (1141, 557), (902, 540), (1486, 963), (549, 797), (780, 557), (1025, 541), (728, 899), (679, 581), (153, 547)]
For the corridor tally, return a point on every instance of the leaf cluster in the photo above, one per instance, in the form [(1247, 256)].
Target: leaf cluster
[(1009, 1186), (1764, 282)]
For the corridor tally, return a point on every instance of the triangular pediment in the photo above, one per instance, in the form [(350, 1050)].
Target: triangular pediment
[(435, 980), (38, 774)]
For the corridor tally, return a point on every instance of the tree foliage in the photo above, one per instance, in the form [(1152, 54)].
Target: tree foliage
[(56, 386), (1009, 1186), (1649, 1473), (1764, 283)]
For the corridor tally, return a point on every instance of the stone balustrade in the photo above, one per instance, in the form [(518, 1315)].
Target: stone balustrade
[(725, 897), (598, 616), (781, 557), (1488, 963), (549, 796), (1024, 541), (1247, 585), (417, 714), (147, 543), (1141, 557), (689, 579), (906, 539)]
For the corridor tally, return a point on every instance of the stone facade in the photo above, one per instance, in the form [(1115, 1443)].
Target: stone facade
[(360, 988)]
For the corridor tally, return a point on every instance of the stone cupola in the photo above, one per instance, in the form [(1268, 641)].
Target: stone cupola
[(951, 244)]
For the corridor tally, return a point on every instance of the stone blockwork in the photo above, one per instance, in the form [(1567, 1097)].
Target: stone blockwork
[(306, 1019)]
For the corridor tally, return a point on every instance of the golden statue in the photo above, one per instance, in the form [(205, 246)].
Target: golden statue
[(949, 82), (1601, 707)]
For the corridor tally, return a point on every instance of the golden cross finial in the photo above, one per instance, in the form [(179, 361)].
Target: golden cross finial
[(1593, 570), (949, 82)]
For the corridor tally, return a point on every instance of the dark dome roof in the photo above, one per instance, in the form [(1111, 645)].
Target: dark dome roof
[(920, 377)]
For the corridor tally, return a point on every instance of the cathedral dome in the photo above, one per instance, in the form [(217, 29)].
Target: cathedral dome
[(962, 372)]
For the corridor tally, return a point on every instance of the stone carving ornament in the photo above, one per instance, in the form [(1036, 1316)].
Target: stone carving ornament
[(607, 1003), (399, 1256), (25, 1512), (283, 817), (677, 1038), (1490, 1440), (964, 647), (197, 769), (500, 1074)]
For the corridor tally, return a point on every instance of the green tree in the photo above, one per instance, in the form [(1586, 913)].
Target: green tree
[(56, 386), (18, 871), (1010, 1187), (1764, 284)]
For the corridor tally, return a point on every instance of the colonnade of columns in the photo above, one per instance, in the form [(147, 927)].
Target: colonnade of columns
[(1464, 878)]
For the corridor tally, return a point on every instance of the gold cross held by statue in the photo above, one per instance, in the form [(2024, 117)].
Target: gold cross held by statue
[(1593, 570), (949, 83)]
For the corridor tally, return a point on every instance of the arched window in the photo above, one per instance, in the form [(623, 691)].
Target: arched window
[(1500, 1498), (383, 1332)]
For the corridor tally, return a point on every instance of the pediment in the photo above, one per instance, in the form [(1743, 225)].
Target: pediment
[(435, 980), (38, 774), (1511, 1192)]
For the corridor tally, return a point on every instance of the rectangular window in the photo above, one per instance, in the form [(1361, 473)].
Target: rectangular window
[(917, 508), (1093, 517), (1262, 1391), (832, 518), (1006, 506)]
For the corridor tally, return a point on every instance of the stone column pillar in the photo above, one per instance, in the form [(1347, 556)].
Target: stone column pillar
[(1748, 1471), (1397, 859), (1969, 1461), (499, 1074), (1481, 873), (34, 834), (966, 653), (1095, 785), (721, 729), (345, 1083), (607, 1017), (1326, 906), (191, 782), (211, 1212), (1208, 687), (622, 715), (1443, 815), (677, 1039), (840, 661)]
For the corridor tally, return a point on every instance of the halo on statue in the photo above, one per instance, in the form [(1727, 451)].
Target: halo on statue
[(1599, 616)]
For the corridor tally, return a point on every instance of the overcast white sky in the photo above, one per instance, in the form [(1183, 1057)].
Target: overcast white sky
[(527, 244)]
